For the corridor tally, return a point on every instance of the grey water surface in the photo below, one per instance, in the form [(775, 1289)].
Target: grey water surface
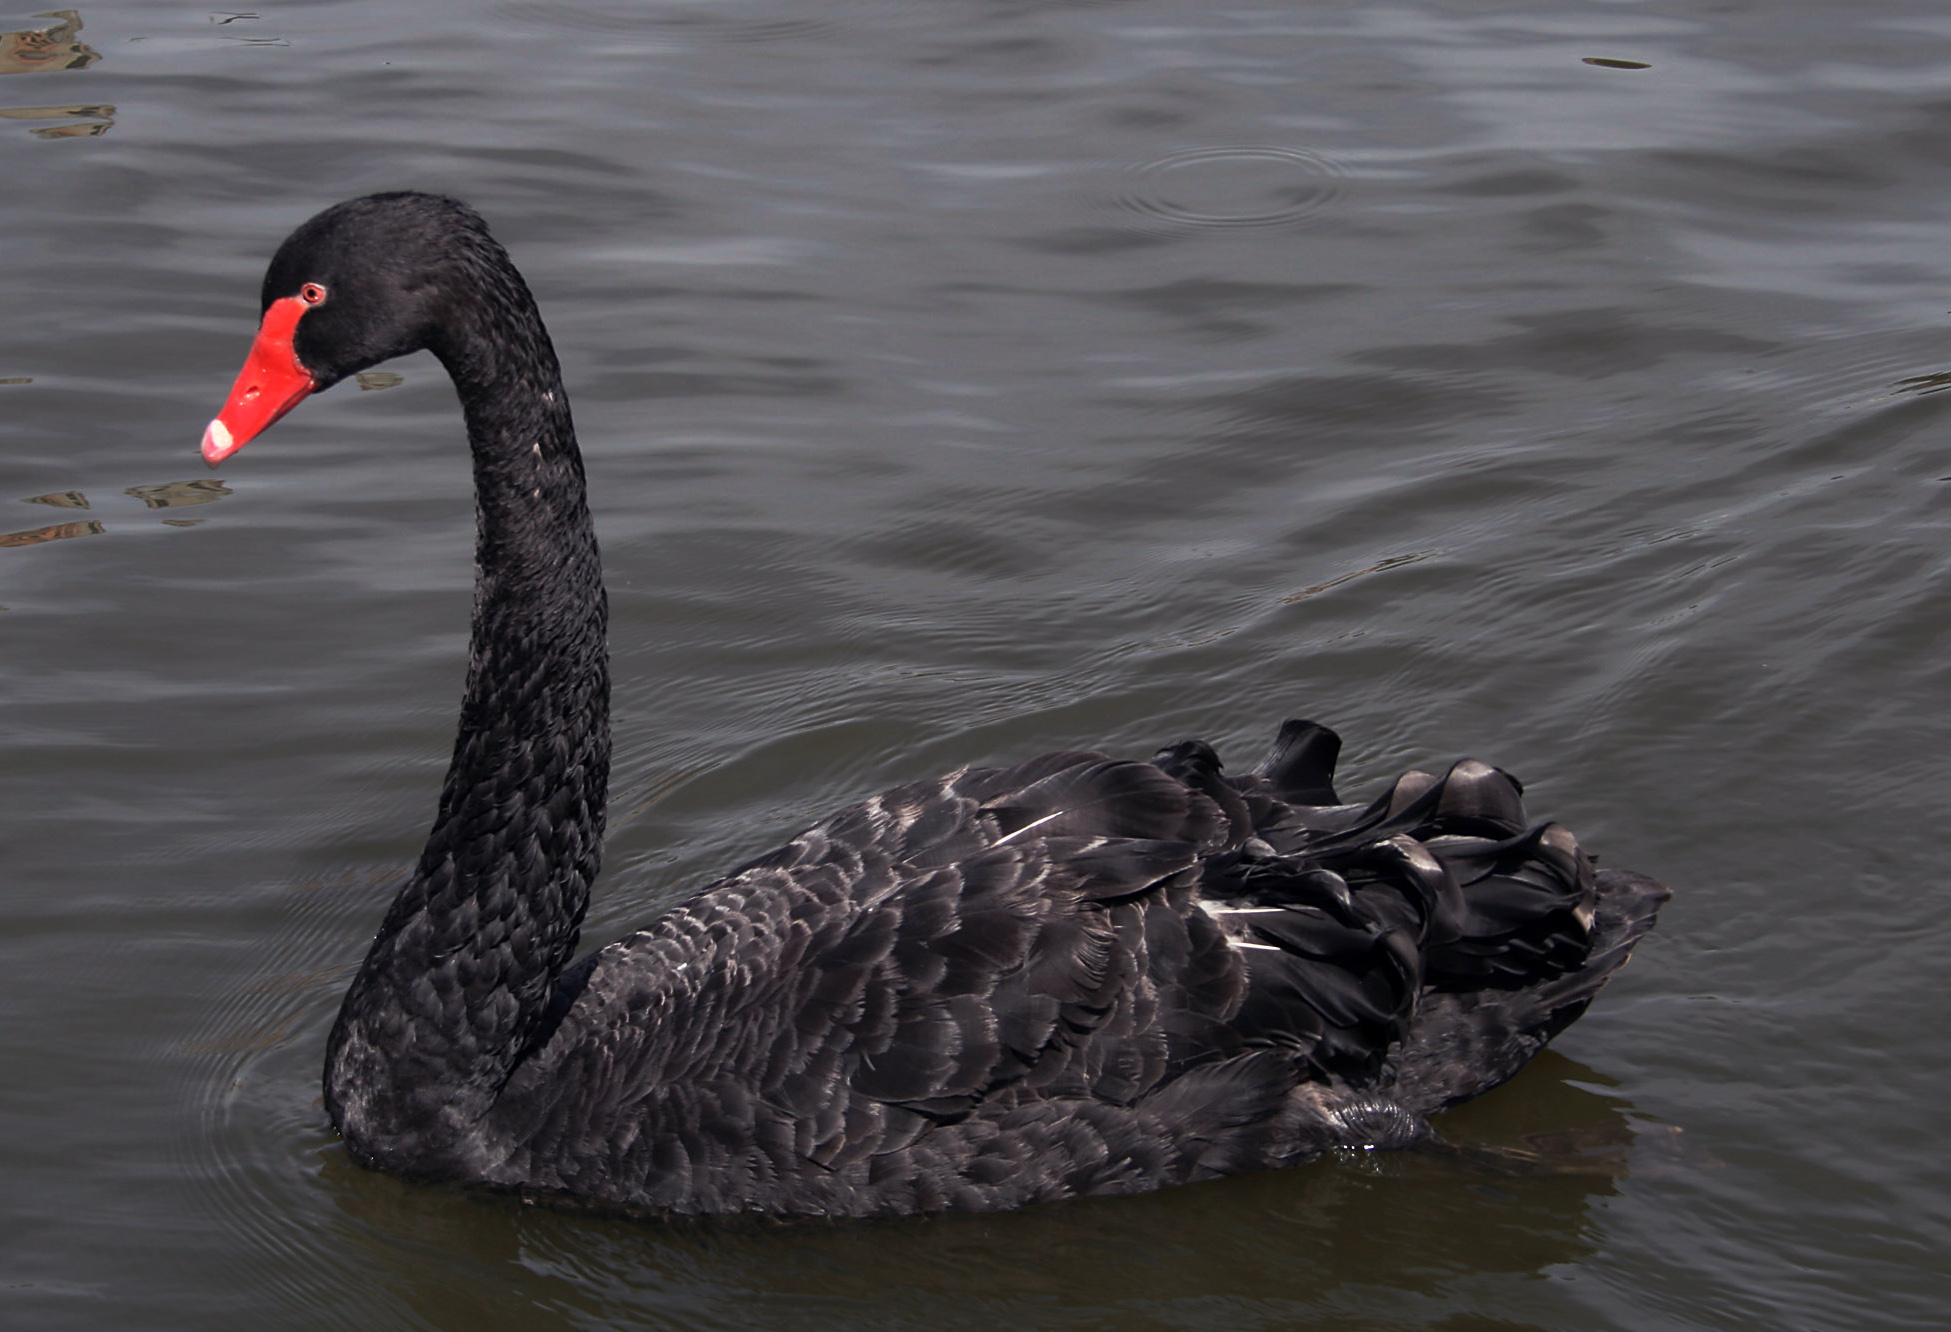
[(961, 379)]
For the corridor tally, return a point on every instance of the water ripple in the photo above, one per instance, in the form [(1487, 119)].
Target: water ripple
[(1235, 186), (705, 23)]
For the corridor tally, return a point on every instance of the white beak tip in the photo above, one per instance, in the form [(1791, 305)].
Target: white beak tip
[(217, 443)]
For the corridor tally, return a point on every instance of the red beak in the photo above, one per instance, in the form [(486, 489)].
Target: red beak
[(271, 384)]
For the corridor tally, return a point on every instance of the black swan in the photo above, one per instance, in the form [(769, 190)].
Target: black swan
[(1074, 975)]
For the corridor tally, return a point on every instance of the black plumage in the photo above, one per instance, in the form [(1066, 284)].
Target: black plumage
[(1072, 975)]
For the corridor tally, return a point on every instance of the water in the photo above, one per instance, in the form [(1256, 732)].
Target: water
[(960, 380)]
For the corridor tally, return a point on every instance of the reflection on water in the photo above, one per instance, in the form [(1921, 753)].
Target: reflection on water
[(60, 499), (44, 51), (1922, 384), (58, 532), (1380, 566), (372, 380), (85, 129), (176, 494), (82, 130), (1360, 1233), (168, 495)]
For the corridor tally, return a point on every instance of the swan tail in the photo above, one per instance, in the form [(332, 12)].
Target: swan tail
[(1464, 1042), (1301, 766), (1424, 945)]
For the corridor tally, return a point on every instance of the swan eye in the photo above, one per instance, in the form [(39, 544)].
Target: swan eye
[(311, 293)]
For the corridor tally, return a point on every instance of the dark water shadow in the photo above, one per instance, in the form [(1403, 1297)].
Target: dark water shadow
[(1509, 1196)]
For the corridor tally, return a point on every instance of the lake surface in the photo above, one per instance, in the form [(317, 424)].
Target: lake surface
[(963, 379)]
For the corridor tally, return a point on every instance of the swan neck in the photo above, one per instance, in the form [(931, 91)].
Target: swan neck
[(457, 985)]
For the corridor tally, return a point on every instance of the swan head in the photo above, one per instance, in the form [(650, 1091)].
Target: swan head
[(363, 282)]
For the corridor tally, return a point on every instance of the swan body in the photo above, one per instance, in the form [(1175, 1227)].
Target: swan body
[(1073, 975)]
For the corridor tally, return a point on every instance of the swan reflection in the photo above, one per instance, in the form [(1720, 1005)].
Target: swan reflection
[(1352, 1237)]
